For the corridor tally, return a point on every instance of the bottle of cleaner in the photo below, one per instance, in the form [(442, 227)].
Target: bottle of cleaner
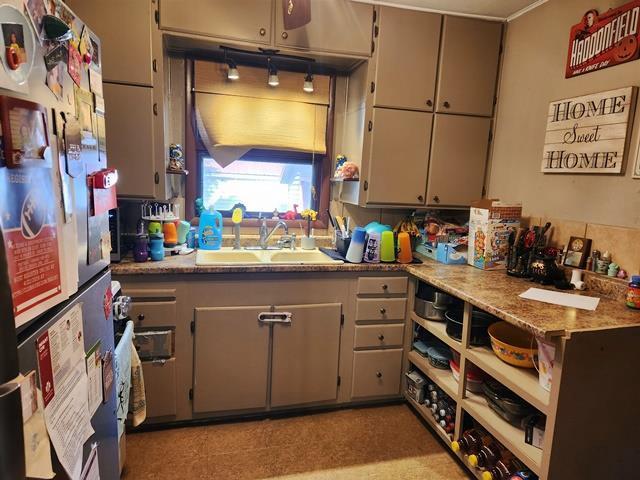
[(210, 233)]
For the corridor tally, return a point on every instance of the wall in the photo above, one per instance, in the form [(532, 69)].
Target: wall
[(533, 75)]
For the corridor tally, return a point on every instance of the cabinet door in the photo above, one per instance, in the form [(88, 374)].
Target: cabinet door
[(160, 387), (337, 26), (469, 66), (376, 373), (407, 59), (458, 159), (305, 355), (243, 20), (124, 28), (399, 156), (231, 358), (129, 126)]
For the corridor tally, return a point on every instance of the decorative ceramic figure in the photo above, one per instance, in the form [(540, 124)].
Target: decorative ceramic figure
[(613, 269), (176, 158)]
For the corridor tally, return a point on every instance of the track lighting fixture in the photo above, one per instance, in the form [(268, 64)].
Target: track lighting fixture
[(232, 73), (308, 82), (273, 79)]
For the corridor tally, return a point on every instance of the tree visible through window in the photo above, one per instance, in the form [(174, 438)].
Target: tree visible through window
[(261, 185)]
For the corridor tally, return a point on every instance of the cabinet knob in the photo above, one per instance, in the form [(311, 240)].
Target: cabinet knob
[(429, 103), (155, 109), (420, 198), (262, 32), (446, 104), (385, 286), (285, 35), (370, 125), (141, 317), (436, 199), (381, 337), (379, 374), (383, 310)]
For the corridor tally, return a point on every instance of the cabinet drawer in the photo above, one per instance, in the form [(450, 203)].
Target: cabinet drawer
[(382, 285), (378, 336), (380, 309), (153, 314), (160, 387), (376, 373)]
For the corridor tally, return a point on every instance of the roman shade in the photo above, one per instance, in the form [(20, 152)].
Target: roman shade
[(233, 117)]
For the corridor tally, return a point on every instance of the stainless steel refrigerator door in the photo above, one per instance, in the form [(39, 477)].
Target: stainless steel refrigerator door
[(97, 327), (11, 434), (8, 343)]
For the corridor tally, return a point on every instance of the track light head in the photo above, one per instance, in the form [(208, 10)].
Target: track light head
[(273, 79), (308, 83), (232, 73)]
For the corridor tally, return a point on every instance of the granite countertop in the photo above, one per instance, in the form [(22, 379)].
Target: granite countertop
[(497, 293), (492, 291)]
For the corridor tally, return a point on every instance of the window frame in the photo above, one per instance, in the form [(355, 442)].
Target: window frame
[(194, 150)]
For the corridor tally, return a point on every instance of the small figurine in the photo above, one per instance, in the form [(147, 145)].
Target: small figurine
[(176, 158), (275, 215), (613, 269), (622, 274), (198, 205)]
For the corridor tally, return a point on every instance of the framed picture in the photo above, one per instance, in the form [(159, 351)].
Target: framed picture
[(24, 128), (577, 252)]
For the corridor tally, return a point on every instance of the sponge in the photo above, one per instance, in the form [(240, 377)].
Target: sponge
[(236, 216)]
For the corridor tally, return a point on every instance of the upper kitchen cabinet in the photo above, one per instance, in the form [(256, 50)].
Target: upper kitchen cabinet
[(337, 26), (126, 49), (239, 20), (468, 72), (398, 156), (406, 56), (458, 160), (129, 124)]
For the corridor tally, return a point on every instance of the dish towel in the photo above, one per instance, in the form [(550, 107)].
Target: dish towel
[(138, 399), (122, 364)]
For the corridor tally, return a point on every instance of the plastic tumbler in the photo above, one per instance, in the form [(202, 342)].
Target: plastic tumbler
[(356, 247), (404, 248), (387, 247), (156, 247), (372, 250)]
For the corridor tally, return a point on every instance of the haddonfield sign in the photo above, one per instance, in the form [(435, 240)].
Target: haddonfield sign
[(589, 134)]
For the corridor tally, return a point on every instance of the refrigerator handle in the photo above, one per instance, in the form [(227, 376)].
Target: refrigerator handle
[(12, 461), (8, 338)]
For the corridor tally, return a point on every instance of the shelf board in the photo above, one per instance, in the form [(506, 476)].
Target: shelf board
[(510, 436), (443, 378), (522, 381), (437, 329), (426, 414)]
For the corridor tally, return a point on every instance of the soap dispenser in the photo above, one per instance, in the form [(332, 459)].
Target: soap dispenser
[(210, 233)]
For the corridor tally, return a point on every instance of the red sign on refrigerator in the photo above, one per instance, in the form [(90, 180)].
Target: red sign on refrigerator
[(601, 41)]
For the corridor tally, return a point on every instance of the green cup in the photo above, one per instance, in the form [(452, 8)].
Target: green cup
[(154, 228), (387, 247)]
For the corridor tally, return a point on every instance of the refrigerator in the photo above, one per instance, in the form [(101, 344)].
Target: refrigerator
[(56, 324)]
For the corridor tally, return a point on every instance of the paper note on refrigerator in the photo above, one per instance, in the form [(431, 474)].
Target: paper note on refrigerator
[(564, 299), (94, 376), (63, 378), (91, 470)]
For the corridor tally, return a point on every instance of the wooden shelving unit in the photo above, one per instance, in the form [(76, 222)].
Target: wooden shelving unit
[(523, 382)]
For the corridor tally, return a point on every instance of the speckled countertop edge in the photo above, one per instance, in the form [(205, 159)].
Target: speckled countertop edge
[(491, 291)]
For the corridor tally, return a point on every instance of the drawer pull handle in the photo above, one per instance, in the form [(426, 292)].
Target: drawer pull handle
[(379, 374), (141, 317), (381, 337), (262, 32), (285, 35), (383, 310), (274, 317), (385, 286)]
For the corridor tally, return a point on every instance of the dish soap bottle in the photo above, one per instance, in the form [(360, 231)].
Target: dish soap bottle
[(210, 233)]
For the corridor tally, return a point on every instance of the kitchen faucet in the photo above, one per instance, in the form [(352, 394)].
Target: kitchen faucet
[(265, 234)]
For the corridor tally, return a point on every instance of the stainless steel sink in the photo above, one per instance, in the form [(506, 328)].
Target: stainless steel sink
[(228, 256)]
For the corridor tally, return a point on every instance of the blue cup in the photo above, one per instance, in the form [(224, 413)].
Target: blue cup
[(156, 248)]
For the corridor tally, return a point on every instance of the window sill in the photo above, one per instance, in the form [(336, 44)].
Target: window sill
[(254, 222)]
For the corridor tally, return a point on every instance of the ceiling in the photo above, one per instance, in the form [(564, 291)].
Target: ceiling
[(493, 9)]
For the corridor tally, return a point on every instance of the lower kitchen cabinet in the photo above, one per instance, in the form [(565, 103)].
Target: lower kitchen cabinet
[(376, 373), (160, 387), (305, 355), (231, 359)]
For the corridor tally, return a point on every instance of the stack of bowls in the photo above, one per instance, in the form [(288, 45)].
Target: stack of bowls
[(430, 303), (480, 322)]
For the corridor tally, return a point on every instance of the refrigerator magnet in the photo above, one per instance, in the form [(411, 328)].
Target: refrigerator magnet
[(72, 147), (24, 127), (18, 44), (74, 65), (107, 375)]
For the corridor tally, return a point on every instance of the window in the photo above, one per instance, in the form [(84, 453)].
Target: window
[(262, 182)]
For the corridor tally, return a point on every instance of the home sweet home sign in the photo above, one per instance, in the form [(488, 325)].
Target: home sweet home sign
[(589, 134)]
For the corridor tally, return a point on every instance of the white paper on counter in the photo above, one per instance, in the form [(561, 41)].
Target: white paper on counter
[(91, 470), (63, 377), (564, 299), (94, 377), (37, 449)]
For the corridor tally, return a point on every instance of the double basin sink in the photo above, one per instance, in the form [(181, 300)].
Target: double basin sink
[(228, 256)]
